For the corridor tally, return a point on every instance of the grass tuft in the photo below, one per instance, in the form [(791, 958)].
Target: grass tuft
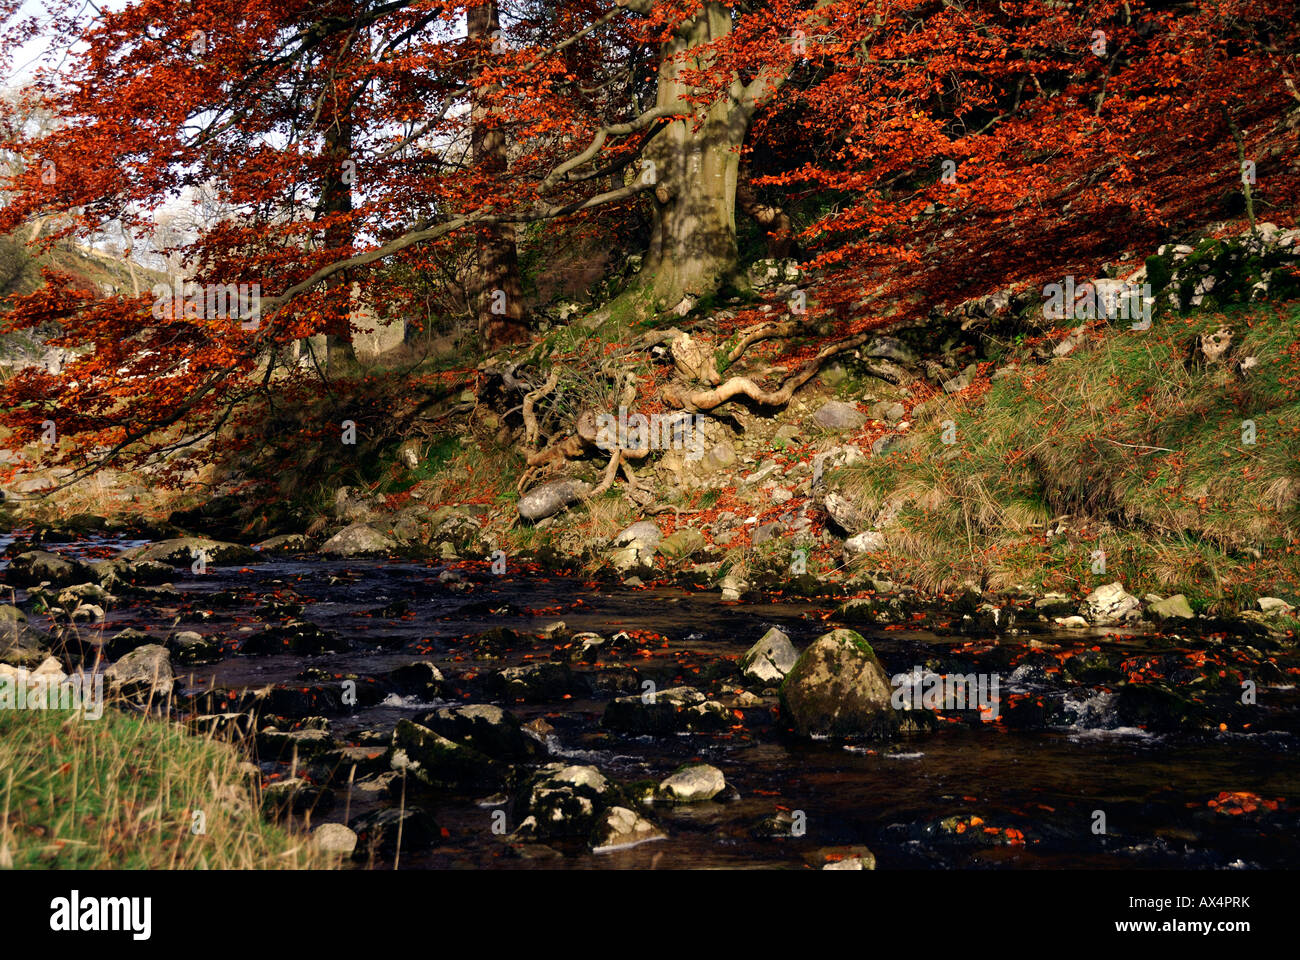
[(122, 791)]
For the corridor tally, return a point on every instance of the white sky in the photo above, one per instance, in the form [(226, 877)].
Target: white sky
[(38, 52)]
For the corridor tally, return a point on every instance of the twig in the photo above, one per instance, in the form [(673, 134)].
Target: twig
[(1139, 446)]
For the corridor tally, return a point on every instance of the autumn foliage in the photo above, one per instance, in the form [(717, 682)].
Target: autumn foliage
[(934, 151)]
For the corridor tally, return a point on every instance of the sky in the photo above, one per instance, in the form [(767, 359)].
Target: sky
[(37, 52)]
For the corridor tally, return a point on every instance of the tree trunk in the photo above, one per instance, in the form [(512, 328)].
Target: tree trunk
[(500, 293), (693, 247), (336, 198)]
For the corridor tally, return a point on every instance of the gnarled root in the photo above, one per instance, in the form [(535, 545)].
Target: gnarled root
[(611, 472), (583, 440), (700, 400), (530, 407), (696, 361)]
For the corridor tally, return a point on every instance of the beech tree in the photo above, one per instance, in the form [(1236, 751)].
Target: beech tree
[(501, 295), (937, 150)]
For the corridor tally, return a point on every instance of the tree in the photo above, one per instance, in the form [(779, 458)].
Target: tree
[(332, 112), (922, 152), (501, 295)]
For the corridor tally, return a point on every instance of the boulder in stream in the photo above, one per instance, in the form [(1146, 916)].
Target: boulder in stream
[(144, 673), (1175, 606), (300, 637), (334, 838), (838, 688), (117, 573), (21, 645), (440, 763), (536, 682), (39, 566), (486, 728), (770, 659), (620, 828), (1110, 604), (563, 801), (378, 832), (296, 796), (183, 551), (358, 540), (288, 543), (692, 783), (665, 711)]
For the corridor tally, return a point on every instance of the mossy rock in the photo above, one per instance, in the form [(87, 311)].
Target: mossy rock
[(872, 610), (1154, 706), (440, 763), (682, 544), (838, 687)]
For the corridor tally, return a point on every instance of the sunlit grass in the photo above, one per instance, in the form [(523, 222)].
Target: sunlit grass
[(1122, 447), (123, 792)]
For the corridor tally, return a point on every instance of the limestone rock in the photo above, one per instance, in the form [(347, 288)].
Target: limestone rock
[(620, 828), (335, 838), (145, 672), (358, 540), (836, 415), (1110, 604), (867, 542), (644, 532), (1175, 606), (838, 688), (770, 659), (185, 550), (550, 498), (844, 514), (887, 411), (692, 784)]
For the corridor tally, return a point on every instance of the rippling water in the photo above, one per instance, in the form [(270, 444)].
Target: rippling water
[(1043, 785)]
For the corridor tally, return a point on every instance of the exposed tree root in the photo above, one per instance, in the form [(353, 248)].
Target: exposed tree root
[(682, 397), (767, 330), (585, 438), (569, 448), (530, 408), (611, 472), (694, 362)]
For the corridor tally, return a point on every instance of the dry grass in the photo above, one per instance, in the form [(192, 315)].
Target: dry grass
[(122, 792), (1122, 446)]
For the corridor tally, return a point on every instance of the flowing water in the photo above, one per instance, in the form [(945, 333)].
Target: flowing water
[(1023, 797)]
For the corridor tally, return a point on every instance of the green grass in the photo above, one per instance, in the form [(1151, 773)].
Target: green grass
[(1139, 453), (121, 791), (435, 458)]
